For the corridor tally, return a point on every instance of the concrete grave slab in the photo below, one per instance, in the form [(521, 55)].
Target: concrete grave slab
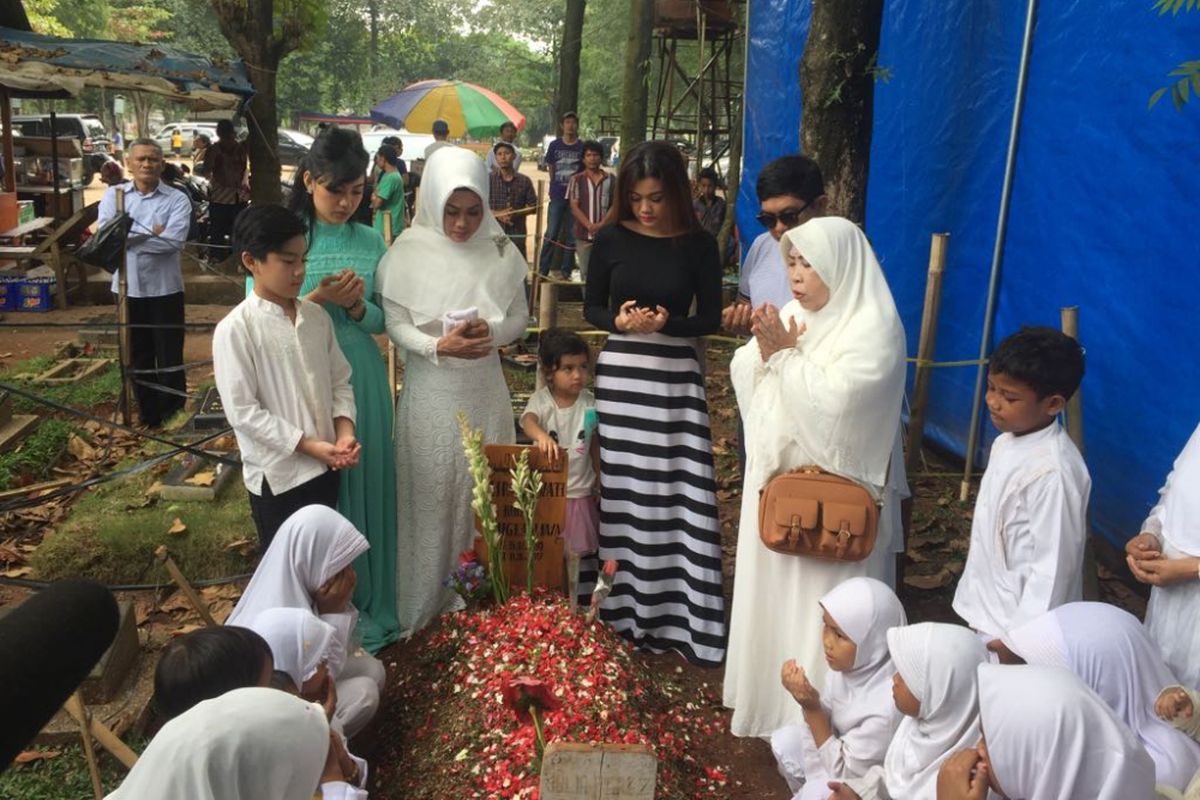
[(573, 771), (183, 483)]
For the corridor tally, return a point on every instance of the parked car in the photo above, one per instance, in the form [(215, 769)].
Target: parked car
[(87, 128), (189, 130), (414, 143), (293, 146), (545, 145), (612, 149)]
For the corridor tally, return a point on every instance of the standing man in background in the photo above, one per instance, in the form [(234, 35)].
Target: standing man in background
[(564, 158), (161, 216), (226, 161)]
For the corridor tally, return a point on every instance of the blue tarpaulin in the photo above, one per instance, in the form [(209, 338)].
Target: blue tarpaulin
[(30, 62), (1103, 211)]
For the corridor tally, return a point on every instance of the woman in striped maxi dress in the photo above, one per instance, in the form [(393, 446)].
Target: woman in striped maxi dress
[(658, 509)]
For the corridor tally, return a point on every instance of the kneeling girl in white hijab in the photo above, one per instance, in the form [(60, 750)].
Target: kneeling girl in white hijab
[(847, 727), (935, 688), (1047, 736), (308, 566), (1109, 650), (247, 744)]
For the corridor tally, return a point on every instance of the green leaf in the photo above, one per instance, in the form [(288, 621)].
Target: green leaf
[(1174, 6), (1154, 98)]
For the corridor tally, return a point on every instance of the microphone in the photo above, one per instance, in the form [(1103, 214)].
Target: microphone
[(48, 645)]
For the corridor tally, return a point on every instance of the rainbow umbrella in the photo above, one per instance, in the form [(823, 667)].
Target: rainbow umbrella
[(467, 109)]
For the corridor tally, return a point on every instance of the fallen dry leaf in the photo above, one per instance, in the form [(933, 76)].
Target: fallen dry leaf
[(185, 629), (17, 572), (206, 478), (9, 555), (244, 547), (79, 448), (155, 488), (29, 756), (177, 527), (934, 581)]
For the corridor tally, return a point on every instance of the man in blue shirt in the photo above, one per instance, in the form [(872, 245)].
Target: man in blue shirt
[(564, 157), (154, 277)]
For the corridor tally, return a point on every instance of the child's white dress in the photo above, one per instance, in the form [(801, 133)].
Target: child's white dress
[(1171, 615), (862, 713)]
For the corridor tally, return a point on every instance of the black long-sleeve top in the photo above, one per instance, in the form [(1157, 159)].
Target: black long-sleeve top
[(655, 271)]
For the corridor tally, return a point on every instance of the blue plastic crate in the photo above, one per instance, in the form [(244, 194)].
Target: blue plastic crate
[(10, 292), (36, 294)]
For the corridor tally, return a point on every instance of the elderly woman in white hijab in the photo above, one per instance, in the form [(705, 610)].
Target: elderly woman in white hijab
[(308, 566), (247, 744), (1047, 736), (1166, 555), (821, 383), (453, 289), (848, 726), (936, 689), (1108, 649)]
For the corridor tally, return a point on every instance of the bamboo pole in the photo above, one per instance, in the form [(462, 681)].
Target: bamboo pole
[(89, 750), (124, 347), (107, 739), (182, 582), (10, 176), (1069, 322), (391, 346), (926, 347), (538, 244)]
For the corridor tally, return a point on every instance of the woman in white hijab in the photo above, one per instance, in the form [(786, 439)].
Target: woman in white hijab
[(453, 289), (935, 687), (1047, 736), (308, 566), (247, 744), (857, 716), (1108, 649), (821, 383), (1166, 555)]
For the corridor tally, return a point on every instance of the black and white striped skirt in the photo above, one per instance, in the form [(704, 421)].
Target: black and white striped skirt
[(658, 508)]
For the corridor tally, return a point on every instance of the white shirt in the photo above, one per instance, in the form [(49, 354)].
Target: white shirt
[(568, 426), (764, 276), (1028, 532), (278, 383), (152, 261)]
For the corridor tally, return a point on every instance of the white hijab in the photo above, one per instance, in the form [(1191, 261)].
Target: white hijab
[(865, 609), (311, 546), (1050, 737), (938, 662), (300, 641), (247, 744), (429, 274), (1109, 650), (1181, 504), (847, 424)]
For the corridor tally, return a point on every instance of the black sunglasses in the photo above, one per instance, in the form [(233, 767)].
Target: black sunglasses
[(790, 218)]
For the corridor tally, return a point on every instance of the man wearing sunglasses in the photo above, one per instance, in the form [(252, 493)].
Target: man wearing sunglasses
[(790, 191)]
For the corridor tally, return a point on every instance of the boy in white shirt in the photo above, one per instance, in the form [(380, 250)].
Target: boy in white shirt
[(1030, 521), (284, 383)]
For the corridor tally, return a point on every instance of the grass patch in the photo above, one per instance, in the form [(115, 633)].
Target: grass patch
[(64, 777), (102, 388), (34, 457), (111, 535)]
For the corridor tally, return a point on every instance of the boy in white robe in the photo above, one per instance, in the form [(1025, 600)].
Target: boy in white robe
[(1030, 520)]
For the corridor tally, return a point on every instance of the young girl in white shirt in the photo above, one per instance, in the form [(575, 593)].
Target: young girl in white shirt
[(308, 566), (560, 418), (936, 689), (847, 727)]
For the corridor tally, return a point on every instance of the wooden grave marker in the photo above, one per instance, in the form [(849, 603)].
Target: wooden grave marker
[(549, 517), (573, 771)]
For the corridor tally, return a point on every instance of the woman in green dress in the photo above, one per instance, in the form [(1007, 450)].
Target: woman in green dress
[(388, 197), (340, 275)]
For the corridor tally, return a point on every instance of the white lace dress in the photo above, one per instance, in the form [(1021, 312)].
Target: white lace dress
[(433, 488)]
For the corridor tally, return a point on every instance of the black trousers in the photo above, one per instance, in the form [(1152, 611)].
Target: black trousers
[(271, 510), (159, 389), (220, 228)]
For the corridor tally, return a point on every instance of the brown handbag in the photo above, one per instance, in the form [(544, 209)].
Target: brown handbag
[(810, 512)]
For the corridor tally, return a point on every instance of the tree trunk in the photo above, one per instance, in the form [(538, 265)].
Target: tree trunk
[(733, 180), (637, 74), (373, 60), (837, 89), (568, 64), (264, 138)]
